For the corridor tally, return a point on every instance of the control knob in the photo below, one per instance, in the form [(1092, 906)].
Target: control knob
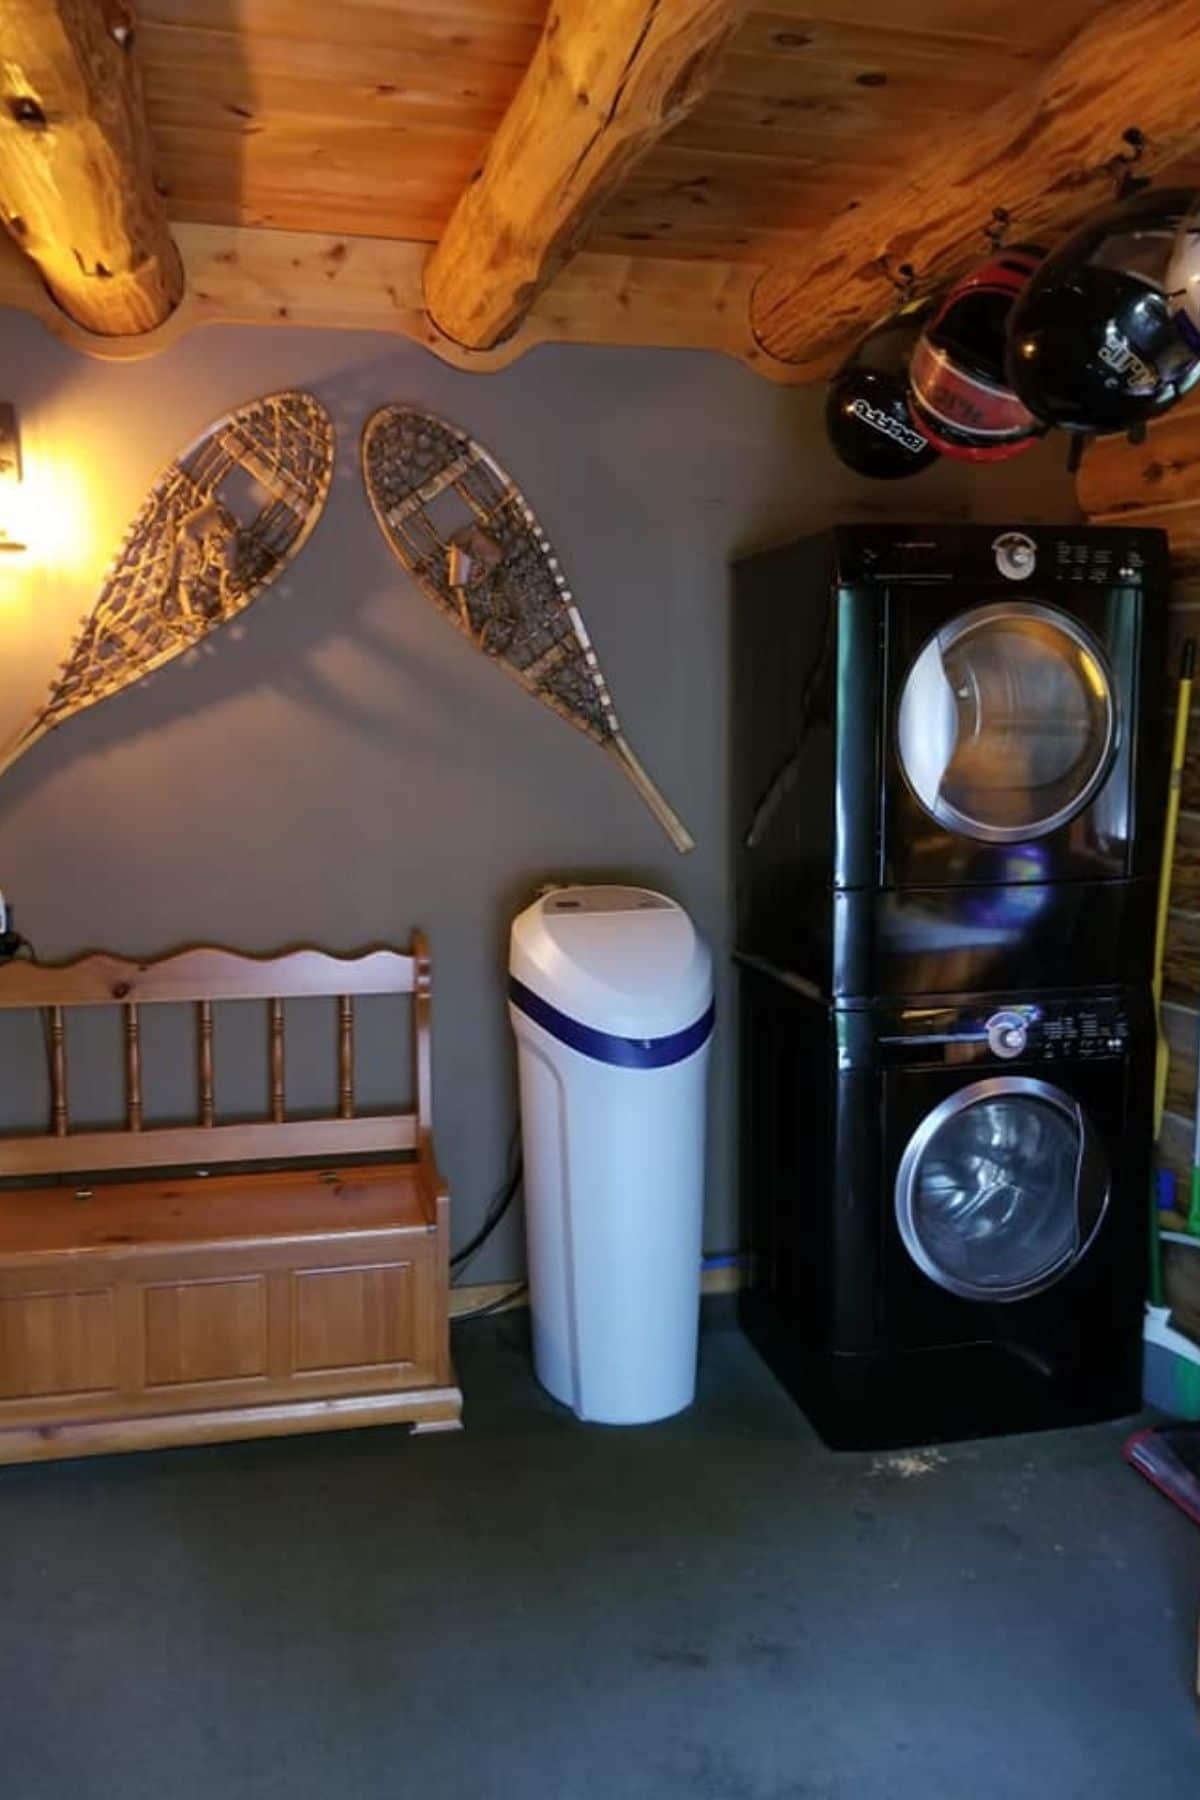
[(1007, 1034), (1016, 555)]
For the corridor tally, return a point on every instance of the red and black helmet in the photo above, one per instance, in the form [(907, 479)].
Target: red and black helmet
[(958, 389)]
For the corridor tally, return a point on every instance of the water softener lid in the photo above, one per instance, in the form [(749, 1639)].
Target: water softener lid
[(620, 959)]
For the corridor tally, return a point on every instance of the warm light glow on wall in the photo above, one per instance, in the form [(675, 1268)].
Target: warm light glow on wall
[(56, 514), (60, 517), (14, 517), (11, 541), (68, 511)]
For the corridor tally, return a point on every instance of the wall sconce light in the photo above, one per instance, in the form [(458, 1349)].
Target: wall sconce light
[(10, 477)]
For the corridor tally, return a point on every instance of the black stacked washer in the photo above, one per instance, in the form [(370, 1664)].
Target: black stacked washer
[(946, 801)]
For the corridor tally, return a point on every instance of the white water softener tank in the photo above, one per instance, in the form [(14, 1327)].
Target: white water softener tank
[(610, 994)]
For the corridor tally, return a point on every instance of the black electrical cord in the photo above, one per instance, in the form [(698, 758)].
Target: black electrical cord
[(497, 1209), (12, 944)]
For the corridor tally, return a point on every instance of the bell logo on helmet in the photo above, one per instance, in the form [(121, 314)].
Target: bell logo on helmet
[(868, 421), (1118, 354), (889, 427)]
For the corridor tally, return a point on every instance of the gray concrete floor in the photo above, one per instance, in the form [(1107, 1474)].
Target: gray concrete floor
[(715, 1607)]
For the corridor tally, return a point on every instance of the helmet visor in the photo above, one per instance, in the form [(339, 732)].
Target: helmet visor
[(964, 403)]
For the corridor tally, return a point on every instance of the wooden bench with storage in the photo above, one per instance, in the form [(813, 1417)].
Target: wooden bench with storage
[(158, 1288)]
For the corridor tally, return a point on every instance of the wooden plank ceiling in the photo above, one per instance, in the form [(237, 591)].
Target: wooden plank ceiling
[(309, 156), (367, 117)]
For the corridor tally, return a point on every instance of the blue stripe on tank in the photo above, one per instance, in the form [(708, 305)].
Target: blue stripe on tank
[(604, 1046)]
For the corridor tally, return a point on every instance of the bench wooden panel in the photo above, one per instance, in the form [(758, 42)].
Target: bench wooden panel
[(189, 1307), (182, 1146)]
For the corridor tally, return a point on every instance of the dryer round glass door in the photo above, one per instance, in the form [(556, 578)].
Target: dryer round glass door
[(1001, 1189), (1007, 722)]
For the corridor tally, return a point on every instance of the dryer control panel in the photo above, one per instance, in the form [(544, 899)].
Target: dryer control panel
[(1010, 558), (1111, 559)]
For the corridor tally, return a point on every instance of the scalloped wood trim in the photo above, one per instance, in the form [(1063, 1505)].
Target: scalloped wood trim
[(206, 973), (243, 275)]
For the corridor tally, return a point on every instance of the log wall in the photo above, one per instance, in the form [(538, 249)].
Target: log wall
[(1157, 483)]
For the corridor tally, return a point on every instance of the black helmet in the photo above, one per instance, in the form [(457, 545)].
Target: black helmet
[(958, 390), (1092, 345), (867, 419)]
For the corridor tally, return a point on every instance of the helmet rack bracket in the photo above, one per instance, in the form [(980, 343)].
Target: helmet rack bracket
[(996, 229), (903, 279), (1121, 167)]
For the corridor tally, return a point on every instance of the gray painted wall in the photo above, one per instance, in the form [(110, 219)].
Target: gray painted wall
[(341, 765)]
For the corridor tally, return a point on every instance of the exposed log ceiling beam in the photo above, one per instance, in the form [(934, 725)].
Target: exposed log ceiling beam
[(1039, 154), (605, 82), (77, 190)]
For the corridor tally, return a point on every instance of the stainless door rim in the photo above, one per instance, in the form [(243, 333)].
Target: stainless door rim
[(994, 1087), (946, 635)]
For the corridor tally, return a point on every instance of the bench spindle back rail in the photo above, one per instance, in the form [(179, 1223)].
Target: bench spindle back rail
[(204, 977), (205, 1026), (133, 1068)]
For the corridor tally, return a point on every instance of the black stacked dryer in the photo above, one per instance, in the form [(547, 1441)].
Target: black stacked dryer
[(947, 819)]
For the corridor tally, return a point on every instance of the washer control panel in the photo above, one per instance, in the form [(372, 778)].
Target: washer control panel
[(1083, 1030), (1052, 1031)]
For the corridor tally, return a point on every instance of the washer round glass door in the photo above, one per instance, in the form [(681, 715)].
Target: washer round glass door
[(1007, 722), (1001, 1189)]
